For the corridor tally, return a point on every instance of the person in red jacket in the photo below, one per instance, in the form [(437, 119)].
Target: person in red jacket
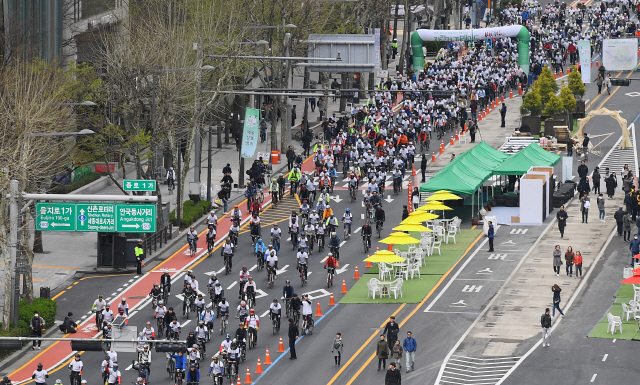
[(577, 261)]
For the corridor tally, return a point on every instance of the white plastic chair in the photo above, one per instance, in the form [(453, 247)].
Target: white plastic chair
[(458, 222), (635, 307), (403, 271), (374, 288), (396, 287), (614, 321), (440, 233), (636, 292), (626, 310), (627, 272), (414, 268), (452, 233), (436, 245), (384, 270)]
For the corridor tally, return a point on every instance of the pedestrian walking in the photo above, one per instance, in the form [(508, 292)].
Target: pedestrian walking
[(618, 217), (405, 212), (557, 260), (291, 156), (611, 183), (600, 202), (472, 129), (37, 329), (503, 114), (599, 82), (393, 376), (568, 259), (595, 178), (607, 83), (382, 351), (410, 346), (562, 216), (577, 261), (545, 322), (634, 247), (423, 166), (626, 226), (556, 299), (336, 348), (293, 336), (392, 329), (585, 146), (585, 204), (415, 198), (397, 354), (490, 235)]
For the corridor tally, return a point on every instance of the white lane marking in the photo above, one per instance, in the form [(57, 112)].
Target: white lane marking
[(614, 340), (594, 377), (83, 317), (120, 289), (357, 230), (342, 243), (129, 367), (132, 314), (362, 217), (264, 314), (605, 357), (232, 285), (220, 271), (185, 322), (253, 267), (112, 294), (131, 280), (324, 259)]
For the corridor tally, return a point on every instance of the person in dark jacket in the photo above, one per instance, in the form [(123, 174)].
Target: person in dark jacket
[(490, 235), (619, 217), (503, 114), (562, 216), (291, 156), (545, 322), (556, 299), (382, 351), (634, 247), (611, 183), (37, 327), (583, 170), (392, 329), (405, 212), (306, 141), (423, 166), (226, 169), (626, 226), (293, 336), (393, 376), (595, 178), (68, 325)]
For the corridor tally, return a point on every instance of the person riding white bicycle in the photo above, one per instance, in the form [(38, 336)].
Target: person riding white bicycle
[(347, 219), (192, 239), (271, 259), (307, 312), (275, 309), (250, 289), (276, 235), (243, 279), (171, 178)]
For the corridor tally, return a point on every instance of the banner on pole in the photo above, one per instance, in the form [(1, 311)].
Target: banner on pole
[(250, 134), (378, 61), (584, 49)]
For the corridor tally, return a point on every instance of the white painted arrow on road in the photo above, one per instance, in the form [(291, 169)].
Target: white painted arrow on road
[(280, 271), (342, 269), (337, 198), (389, 199)]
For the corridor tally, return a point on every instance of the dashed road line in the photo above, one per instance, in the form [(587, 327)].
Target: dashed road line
[(594, 377)]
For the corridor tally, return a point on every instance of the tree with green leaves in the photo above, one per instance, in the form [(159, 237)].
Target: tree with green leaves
[(546, 84), (576, 86), (532, 102), (553, 105)]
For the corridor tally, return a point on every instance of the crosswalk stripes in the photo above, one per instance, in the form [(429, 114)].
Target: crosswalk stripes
[(461, 370), (364, 182), (617, 158)]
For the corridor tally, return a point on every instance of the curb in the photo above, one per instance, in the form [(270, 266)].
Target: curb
[(13, 358)]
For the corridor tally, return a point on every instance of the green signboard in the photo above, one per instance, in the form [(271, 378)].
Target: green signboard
[(56, 216), (139, 185), (102, 217)]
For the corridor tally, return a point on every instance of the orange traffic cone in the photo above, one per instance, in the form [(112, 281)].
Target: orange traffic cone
[(502, 98), (239, 382), (511, 93), (451, 143), (561, 72), (280, 346), (259, 367), (591, 64), (465, 127), (247, 379), (413, 169), (267, 359), (433, 156), (356, 275), (597, 63), (555, 74), (344, 290), (519, 88), (493, 104), (318, 310), (442, 147), (332, 301), (480, 117), (484, 113), (368, 262), (457, 136)]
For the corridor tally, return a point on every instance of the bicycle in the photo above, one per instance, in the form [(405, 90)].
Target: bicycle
[(306, 324), (352, 193), (260, 261), (160, 325), (154, 301), (366, 240), (330, 274), (171, 185), (271, 276), (227, 263), (193, 245), (233, 237), (333, 183), (210, 242), (76, 378), (99, 319), (320, 242), (251, 336), (379, 228), (287, 306), (223, 323), (165, 293), (347, 231), (296, 316), (397, 186), (276, 243), (294, 238), (188, 306), (280, 192), (303, 274), (275, 323), (217, 379), (311, 242), (259, 195), (251, 299)]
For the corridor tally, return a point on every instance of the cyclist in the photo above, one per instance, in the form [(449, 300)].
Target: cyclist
[(303, 242), (276, 235), (275, 310), (211, 235), (148, 331), (192, 239), (98, 306), (218, 293), (253, 325), (243, 310), (208, 317), (373, 187), (165, 281), (328, 211), (260, 248), (347, 219), (332, 223), (155, 293), (160, 311), (250, 289), (334, 245), (193, 354), (320, 208), (305, 209), (379, 215), (236, 214), (366, 232), (216, 370), (307, 313), (105, 367), (256, 207), (171, 177), (233, 354), (302, 261), (353, 181), (320, 231), (107, 314), (200, 303), (123, 305), (226, 343), (181, 362), (309, 230), (75, 369), (271, 259), (145, 356), (113, 375), (250, 193), (40, 375), (314, 218), (202, 332), (295, 304), (244, 277), (213, 280), (294, 178), (287, 291), (397, 178), (223, 308), (254, 224), (193, 374), (191, 340), (240, 336), (375, 200), (187, 293), (331, 263)]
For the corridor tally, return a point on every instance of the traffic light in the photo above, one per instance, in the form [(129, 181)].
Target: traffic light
[(620, 82), (86, 346), (170, 347)]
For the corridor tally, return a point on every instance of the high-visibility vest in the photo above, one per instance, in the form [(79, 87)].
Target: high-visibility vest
[(139, 251)]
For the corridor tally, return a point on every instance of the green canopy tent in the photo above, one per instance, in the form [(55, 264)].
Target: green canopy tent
[(531, 156)]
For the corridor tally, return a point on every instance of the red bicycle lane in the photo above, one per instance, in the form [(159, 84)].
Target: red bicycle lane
[(57, 353)]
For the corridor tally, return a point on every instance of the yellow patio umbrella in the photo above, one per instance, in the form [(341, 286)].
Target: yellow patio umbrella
[(444, 196), (412, 221), (434, 206), (423, 216), (412, 227), (399, 239), (384, 256)]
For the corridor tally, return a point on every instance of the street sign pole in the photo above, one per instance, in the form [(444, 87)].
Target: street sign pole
[(14, 211)]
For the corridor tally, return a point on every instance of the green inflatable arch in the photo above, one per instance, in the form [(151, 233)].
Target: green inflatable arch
[(420, 36)]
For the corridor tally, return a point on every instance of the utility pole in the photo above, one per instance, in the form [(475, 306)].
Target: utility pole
[(198, 142), (209, 166), (178, 182), (285, 138), (14, 214)]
